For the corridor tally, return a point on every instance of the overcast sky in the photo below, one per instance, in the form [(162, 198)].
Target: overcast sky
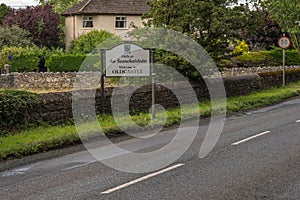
[(19, 2), (31, 2)]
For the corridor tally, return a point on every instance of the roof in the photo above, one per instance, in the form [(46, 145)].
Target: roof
[(128, 7)]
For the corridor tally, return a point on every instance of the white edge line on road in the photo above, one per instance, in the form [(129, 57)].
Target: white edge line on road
[(298, 121), (142, 179), (250, 138)]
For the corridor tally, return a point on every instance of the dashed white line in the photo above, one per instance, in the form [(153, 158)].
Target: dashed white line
[(298, 121), (250, 138), (142, 179)]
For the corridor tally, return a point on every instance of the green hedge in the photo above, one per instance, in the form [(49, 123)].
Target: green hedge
[(263, 59), (15, 109), (72, 62), (24, 59)]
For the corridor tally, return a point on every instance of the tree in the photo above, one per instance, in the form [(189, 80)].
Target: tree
[(14, 36), (258, 29), (59, 6), (286, 13), (209, 22), (41, 22), (4, 10)]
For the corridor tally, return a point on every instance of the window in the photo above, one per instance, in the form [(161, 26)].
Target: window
[(121, 22), (87, 22)]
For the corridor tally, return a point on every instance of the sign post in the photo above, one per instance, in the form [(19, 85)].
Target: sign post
[(284, 43), (153, 81), (102, 52), (130, 60)]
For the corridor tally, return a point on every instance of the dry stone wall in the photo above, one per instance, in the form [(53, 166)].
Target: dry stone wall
[(49, 80), (65, 81), (58, 106)]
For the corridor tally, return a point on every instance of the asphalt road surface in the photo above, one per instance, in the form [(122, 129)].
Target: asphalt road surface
[(256, 157)]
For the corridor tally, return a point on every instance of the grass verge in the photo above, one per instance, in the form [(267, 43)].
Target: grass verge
[(44, 138)]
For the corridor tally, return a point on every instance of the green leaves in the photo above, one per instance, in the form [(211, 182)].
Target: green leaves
[(14, 36), (15, 108), (210, 23), (24, 59), (286, 13), (88, 42)]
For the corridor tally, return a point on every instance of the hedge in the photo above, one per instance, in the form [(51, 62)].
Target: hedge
[(72, 62), (15, 109), (24, 59), (262, 59)]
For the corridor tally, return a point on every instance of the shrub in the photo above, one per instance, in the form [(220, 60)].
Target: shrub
[(292, 56), (24, 59), (65, 62), (15, 109), (72, 62), (14, 36), (241, 48), (263, 59), (88, 42)]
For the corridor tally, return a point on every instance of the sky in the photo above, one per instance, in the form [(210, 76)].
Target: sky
[(19, 2), (33, 2)]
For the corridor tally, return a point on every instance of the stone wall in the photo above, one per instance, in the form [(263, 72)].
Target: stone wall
[(65, 81), (58, 106), (49, 80)]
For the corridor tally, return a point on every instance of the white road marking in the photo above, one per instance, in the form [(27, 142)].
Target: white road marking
[(250, 138), (142, 179), (298, 121)]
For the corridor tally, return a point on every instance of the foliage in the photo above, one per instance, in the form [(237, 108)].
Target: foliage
[(88, 42), (41, 22), (292, 57), (72, 62), (264, 59), (241, 48), (24, 59), (286, 13), (256, 27), (180, 64), (259, 30), (4, 10), (210, 23), (15, 109), (14, 36), (59, 6)]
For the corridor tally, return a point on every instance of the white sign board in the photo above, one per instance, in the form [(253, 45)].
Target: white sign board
[(284, 42), (127, 60)]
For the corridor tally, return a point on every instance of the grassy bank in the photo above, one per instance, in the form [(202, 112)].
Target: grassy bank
[(45, 138)]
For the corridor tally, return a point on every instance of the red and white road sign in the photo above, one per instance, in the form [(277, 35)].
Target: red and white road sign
[(284, 42)]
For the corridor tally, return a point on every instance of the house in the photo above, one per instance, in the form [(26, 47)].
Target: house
[(115, 16)]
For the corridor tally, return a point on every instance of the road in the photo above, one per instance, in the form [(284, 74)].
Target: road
[(256, 157)]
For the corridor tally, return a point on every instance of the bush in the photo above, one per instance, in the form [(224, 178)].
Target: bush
[(72, 62), (14, 36), (263, 59), (292, 57), (179, 63), (88, 42), (241, 48), (15, 109), (24, 59)]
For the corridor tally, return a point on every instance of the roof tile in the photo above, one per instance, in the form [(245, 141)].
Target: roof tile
[(130, 7)]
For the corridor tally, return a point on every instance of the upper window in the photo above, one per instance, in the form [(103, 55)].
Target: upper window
[(121, 22), (87, 22)]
